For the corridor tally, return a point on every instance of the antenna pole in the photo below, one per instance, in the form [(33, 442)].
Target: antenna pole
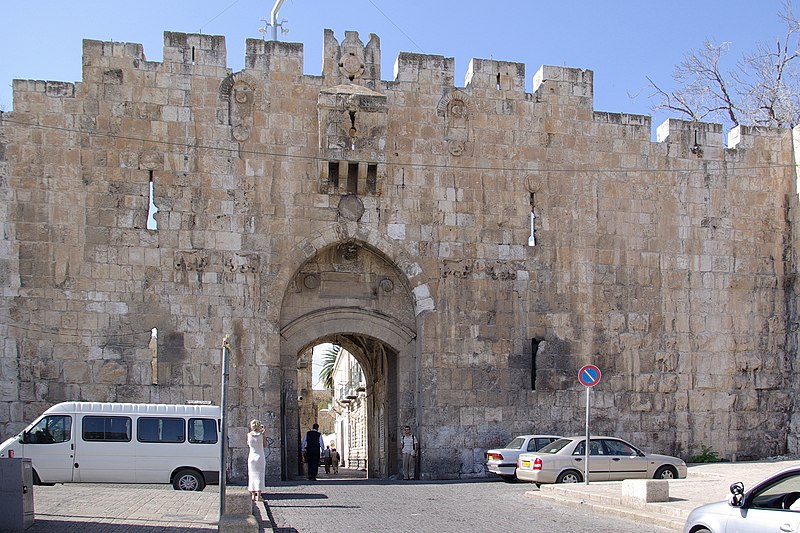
[(273, 18)]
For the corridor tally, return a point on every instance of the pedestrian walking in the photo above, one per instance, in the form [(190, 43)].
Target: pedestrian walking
[(408, 448), (335, 458), (312, 448), (256, 459), (326, 459)]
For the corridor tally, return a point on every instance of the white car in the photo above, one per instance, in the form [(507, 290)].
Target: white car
[(772, 505), (610, 459), (503, 461)]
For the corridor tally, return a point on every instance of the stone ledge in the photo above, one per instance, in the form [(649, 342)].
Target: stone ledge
[(645, 490)]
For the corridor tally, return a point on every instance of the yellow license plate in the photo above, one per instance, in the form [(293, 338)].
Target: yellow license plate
[(526, 464)]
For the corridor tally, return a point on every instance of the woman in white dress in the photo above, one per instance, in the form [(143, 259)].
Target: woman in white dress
[(256, 460)]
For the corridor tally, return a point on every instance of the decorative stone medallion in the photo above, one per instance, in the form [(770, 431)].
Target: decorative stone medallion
[(351, 207)]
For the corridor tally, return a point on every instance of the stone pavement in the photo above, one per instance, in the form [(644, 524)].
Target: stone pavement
[(705, 483), (108, 508), (339, 503)]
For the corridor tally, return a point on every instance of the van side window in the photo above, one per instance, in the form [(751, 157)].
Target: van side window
[(50, 430), (107, 428), (202, 431), (158, 429)]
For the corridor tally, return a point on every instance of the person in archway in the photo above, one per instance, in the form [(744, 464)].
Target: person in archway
[(312, 448), (326, 459), (335, 458), (408, 448)]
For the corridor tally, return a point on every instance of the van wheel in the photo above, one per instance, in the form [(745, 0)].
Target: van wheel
[(188, 480)]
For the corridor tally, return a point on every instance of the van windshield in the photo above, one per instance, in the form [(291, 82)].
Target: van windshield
[(51, 429)]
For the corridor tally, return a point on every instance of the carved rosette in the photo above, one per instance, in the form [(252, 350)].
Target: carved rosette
[(351, 60)]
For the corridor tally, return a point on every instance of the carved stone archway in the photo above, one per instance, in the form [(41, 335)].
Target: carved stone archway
[(354, 294)]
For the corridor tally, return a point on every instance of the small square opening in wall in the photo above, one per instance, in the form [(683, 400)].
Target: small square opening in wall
[(352, 178), (372, 178), (333, 174)]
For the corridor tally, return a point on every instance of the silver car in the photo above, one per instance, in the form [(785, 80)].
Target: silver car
[(772, 505), (610, 459), (503, 461)]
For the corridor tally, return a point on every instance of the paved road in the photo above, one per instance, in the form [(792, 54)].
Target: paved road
[(348, 503), (332, 506)]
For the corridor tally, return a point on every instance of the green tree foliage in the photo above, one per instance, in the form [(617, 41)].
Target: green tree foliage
[(328, 364)]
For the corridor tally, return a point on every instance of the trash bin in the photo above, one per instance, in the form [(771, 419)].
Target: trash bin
[(16, 494)]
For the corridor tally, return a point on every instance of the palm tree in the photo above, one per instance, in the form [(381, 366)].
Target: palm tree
[(328, 363)]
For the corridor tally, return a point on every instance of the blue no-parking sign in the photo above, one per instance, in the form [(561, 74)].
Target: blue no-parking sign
[(589, 375)]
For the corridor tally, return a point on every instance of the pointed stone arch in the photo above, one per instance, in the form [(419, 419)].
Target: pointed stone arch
[(349, 284), (371, 239)]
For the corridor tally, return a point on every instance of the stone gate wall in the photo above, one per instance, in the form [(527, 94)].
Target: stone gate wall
[(668, 264)]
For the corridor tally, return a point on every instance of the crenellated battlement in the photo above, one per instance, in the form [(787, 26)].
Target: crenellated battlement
[(564, 81), (274, 57), (419, 68), (106, 62), (496, 75), (195, 49)]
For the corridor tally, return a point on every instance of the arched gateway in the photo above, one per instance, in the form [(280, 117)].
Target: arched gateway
[(351, 294)]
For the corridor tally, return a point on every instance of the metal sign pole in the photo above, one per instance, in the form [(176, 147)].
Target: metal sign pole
[(589, 376), (223, 436), (586, 450)]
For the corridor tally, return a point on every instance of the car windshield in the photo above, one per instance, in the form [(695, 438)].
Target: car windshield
[(555, 447), (516, 444), (779, 495)]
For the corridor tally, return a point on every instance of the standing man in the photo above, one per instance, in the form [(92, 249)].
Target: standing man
[(408, 447), (312, 447)]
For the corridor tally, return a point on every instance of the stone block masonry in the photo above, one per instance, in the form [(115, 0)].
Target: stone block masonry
[(393, 217)]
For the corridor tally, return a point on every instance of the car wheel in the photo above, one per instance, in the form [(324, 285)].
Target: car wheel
[(569, 476), (509, 479), (188, 480), (666, 472), (701, 530)]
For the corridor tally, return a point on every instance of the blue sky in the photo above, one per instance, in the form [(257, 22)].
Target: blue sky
[(622, 41)]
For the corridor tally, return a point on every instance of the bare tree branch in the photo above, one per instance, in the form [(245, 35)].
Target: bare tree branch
[(762, 89)]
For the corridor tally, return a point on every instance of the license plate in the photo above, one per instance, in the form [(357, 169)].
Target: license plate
[(526, 464)]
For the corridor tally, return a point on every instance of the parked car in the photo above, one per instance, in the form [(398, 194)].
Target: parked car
[(611, 459), (771, 505), (503, 461)]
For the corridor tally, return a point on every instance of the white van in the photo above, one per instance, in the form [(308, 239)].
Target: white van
[(122, 443)]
